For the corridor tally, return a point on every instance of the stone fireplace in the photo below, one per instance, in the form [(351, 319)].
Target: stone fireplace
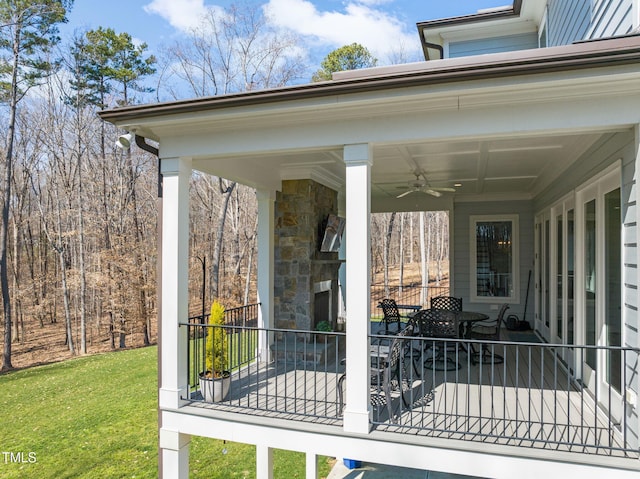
[(306, 280)]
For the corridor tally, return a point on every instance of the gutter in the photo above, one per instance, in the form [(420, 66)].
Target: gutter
[(479, 17), (607, 53)]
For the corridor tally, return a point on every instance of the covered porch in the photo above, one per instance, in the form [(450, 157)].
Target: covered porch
[(539, 141)]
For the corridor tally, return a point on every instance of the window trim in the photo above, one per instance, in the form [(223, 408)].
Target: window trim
[(514, 297)]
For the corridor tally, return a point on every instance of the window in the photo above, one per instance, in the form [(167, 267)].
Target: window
[(494, 258)]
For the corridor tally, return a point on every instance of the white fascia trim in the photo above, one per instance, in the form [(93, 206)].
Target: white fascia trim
[(501, 28)]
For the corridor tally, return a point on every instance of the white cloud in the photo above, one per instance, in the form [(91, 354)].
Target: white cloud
[(181, 14), (360, 21)]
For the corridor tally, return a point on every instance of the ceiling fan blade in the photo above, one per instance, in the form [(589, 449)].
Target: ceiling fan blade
[(432, 192), (444, 189), (402, 195)]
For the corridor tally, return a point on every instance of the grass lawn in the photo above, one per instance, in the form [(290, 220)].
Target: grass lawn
[(96, 417)]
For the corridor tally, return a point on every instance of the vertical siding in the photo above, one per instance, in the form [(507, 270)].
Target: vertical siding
[(493, 45), (574, 20), (462, 251), (611, 18), (568, 21)]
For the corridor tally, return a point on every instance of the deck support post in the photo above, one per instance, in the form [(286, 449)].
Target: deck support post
[(264, 462), (174, 448), (312, 466), (358, 161)]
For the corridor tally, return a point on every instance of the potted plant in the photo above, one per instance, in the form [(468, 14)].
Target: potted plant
[(325, 327), (215, 381)]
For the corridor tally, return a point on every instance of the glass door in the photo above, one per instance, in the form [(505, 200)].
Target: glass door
[(543, 275), (600, 290), (612, 319), (561, 286)]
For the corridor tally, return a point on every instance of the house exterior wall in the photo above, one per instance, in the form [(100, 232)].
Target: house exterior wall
[(611, 148), (493, 45), (462, 251), (575, 20)]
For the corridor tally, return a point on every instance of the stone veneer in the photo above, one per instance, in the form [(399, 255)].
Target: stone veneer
[(300, 208)]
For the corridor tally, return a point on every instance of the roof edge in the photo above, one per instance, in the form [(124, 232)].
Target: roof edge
[(480, 16), (612, 52)]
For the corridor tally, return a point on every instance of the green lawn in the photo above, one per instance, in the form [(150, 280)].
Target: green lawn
[(95, 417)]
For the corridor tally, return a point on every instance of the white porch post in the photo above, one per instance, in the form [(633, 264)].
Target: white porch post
[(173, 347), (264, 462), (266, 220), (311, 466), (357, 413)]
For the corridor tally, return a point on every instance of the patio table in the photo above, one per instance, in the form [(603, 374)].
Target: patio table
[(466, 320)]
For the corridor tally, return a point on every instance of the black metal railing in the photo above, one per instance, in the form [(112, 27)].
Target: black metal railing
[(524, 394), (240, 344), (413, 293), (286, 372), (534, 395), (246, 315)]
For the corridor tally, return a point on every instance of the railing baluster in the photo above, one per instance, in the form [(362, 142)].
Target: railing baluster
[(302, 381)]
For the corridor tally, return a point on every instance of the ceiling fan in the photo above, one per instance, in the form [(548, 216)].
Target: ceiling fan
[(421, 185)]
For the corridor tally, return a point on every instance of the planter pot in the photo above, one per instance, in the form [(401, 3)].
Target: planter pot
[(215, 389)]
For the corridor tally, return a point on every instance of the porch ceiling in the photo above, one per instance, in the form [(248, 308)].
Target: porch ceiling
[(504, 126), (488, 169)]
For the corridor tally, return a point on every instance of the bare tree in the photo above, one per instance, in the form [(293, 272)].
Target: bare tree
[(28, 32)]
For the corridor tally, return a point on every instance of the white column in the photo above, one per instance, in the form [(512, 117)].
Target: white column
[(264, 462), (175, 254), (266, 220), (312, 466), (174, 448), (357, 413)]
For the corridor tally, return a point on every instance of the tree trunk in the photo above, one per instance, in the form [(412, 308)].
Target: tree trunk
[(401, 254), (4, 226), (387, 248), (424, 269), (81, 259), (217, 253)]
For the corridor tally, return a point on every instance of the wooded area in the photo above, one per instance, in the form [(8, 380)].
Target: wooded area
[(78, 237)]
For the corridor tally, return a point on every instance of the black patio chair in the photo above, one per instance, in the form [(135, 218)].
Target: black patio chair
[(488, 330), (435, 324), (392, 316), (387, 374), (448, 303)]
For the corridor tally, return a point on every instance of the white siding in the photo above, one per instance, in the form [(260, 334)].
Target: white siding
[(493, 45)]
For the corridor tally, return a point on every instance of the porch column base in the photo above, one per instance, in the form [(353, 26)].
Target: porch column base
[(172, 398), (264, 353), (174, 448), (357, 421)]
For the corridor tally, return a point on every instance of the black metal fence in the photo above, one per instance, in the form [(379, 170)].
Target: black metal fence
[(533, 395), (413, 293), (240, 326), (526, 394), (295, 373)]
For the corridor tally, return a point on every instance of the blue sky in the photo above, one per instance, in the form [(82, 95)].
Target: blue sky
[(327, 23), (385, 27)]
